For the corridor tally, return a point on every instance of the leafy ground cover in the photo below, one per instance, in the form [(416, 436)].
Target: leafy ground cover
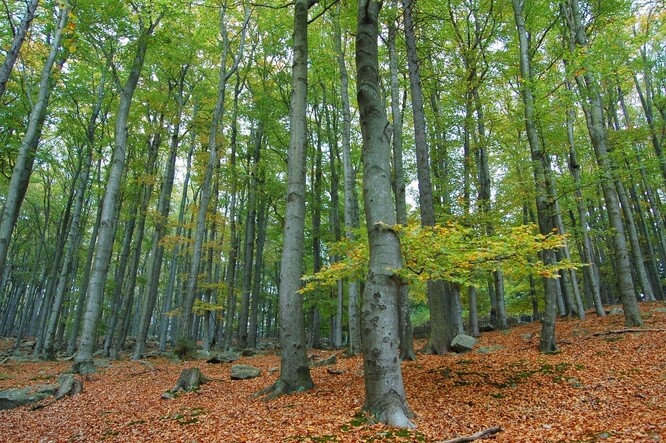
[(604, 386)]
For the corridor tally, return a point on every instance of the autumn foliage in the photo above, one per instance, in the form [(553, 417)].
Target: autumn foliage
[(606, 385)]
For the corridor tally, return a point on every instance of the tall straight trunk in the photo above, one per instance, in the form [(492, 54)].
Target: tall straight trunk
[(104, 245), (85, 279), (294, 369), (250, 228), (18, 184), (119, 297), (541, 169), (316, 180), (163, 209), (129, 285), (170, 290), (262, 222), (351, 211), (590, 270), (384, 387), (234, 236), (64, 280), (185, 320), (441, 330), (399, 188), (334, 216), (592, 107), (15, 48)]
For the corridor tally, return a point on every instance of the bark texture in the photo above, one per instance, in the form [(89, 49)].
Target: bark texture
[(384, 389)]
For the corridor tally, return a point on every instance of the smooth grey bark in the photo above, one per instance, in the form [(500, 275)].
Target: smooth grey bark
[(249, 235), (234, 236), (294, 369), (75, 229), (262, 222), (441, 330), (129, 286), (83, 360), (186, 321), (384, 389), (87, 269), (590, 270), (399, 187), (170, 290), (18, 184), (541, 169), (15, 48), (592, 107), (351, 211), (316, 180), (163, 209), (639, 258), (334, 215)]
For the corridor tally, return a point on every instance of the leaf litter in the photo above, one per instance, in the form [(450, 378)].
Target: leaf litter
[(598, 388)]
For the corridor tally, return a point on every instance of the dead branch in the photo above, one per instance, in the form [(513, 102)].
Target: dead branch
[(625, 331), (481, 434)]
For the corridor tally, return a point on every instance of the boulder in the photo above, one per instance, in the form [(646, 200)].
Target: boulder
[(463, 343), (331, 360), (249, 352), (224, 357), (13, 398), (616, 311), (244, 372)]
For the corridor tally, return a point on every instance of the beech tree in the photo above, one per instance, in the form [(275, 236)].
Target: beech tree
[(384, 389), (103, 247), (294, 369)]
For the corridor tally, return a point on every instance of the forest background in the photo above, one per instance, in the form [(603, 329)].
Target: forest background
[(145, 163)]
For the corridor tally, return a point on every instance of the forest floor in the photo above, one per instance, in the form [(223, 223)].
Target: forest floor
[(599, 388)]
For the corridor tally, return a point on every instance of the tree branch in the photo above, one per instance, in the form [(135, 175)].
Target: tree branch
[(478, 435)]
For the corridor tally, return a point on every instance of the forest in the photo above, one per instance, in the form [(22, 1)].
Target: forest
[(192, 177)]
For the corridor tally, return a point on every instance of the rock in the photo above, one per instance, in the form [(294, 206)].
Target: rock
[(325, 362), (489, 349), (224, 357), (201, 355), (487, 328), (249, 352), (335, 371), (527, 337), (13, 398), (244, 372), (616, 311), (463, 343)]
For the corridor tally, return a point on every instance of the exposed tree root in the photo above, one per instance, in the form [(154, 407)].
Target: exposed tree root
[(625, 331), (481, 434)]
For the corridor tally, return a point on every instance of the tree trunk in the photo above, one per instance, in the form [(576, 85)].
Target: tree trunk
[(163, 209), (384, 389), (104, 245), (248, 249), (351, 200), (440, 330), (23, 164), (185, 321), (541, 169), (294, 369), (399, 188), (592, 107), (13, 52), (590, 270)]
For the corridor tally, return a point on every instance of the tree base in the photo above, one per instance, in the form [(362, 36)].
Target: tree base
[(84, 367), (280, 388)]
